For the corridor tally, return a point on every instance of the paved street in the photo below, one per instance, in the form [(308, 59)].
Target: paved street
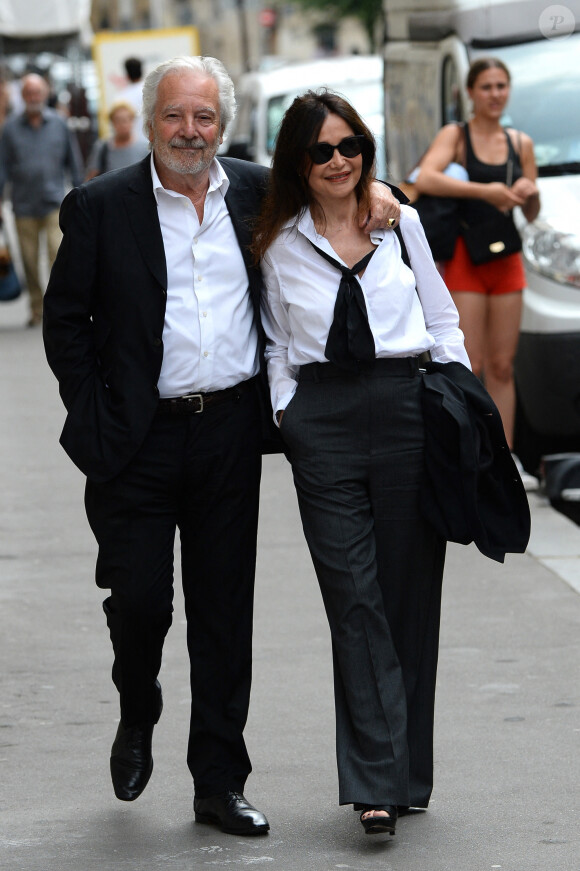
[(508, 713)]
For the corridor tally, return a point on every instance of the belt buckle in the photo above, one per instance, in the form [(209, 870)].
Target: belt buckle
[(188, 397)]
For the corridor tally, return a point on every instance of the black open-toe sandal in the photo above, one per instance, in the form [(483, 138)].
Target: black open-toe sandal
[(380, 825), (402, 809)]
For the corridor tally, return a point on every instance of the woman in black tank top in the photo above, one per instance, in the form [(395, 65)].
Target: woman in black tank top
[(501, 172), (476, 211)]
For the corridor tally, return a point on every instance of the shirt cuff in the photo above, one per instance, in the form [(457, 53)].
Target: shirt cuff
[(283, 402)]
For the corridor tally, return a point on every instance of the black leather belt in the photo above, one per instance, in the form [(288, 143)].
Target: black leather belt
[(382, 365), (195, 403)]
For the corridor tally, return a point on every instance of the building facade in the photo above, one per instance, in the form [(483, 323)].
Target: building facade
[(244, 34)]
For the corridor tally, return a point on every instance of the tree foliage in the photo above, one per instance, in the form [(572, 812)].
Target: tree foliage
[(368, 11)]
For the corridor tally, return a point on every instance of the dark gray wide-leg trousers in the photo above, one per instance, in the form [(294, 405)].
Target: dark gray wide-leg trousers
[(356, 444)]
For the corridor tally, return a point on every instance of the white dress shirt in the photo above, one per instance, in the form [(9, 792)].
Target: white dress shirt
[(301, 289), (210, 340)]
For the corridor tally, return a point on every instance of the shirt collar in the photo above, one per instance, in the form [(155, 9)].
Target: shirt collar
[(25, 120), (305, 225), (218, 180)]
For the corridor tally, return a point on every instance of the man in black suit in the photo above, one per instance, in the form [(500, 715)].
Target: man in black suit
[(152, 329)]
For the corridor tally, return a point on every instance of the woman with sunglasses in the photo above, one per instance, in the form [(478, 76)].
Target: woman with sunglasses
[(346, 321)]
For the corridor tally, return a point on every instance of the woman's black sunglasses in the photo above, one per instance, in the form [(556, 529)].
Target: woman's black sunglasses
[(322, 152)]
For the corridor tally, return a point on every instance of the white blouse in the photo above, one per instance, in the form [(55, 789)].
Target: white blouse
[(301, 289)]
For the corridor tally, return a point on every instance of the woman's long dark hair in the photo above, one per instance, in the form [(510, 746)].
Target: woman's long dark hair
[(288, 189)]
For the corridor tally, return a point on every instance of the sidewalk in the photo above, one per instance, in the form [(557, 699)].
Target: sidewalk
[(507, 723)]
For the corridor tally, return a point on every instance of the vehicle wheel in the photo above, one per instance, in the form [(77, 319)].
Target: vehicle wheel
[(529, 445)]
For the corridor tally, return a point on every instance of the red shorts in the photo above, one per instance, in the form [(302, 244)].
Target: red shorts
[(505, 275)]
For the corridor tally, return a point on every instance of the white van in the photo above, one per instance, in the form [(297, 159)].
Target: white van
[(263, 97), (429, 48)]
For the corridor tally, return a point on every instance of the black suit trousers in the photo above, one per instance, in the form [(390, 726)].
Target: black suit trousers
[(199, 474), (356, 444)]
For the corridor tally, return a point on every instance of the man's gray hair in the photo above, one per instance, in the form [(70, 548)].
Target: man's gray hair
[(208, 66)]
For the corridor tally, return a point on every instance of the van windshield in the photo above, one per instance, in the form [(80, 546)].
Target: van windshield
[(545, 99)]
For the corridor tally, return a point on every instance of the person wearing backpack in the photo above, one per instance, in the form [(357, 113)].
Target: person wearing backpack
[(122, 148)]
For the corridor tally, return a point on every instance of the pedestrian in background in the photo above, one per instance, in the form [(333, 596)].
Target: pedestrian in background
[(346, 389), (38, 157), (5, 97), (488, 295), (152, 327), (120, 149), (133, 93)]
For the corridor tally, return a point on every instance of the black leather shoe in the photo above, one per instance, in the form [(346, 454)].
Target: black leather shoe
[(131, 761), (232, 813)]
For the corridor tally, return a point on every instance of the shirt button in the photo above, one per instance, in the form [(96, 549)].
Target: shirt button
[(206, 353), (199, 278), (204, 314)]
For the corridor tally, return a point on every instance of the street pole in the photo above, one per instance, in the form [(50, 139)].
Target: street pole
[(243, 35)]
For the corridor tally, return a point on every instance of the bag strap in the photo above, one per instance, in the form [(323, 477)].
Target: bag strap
[(425, 357), (509, 173), (462, 138), (513, 150), (509, 168), (404, 252), (103, 158), (516, 146)]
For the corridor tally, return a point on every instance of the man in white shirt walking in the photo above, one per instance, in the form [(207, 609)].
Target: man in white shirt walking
[(152, 328)]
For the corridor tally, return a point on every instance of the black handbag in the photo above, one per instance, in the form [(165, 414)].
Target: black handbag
[(493, 239), (441, 221)]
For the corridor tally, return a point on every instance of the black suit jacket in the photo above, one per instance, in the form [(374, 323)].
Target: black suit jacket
[(472, 490), (104, 310)]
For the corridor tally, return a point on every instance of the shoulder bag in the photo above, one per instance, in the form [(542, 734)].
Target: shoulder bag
[(493, 239), (440, 217), (9, 283)]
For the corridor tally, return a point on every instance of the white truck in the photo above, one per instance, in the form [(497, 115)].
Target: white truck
[(264, 96), (429, 46)]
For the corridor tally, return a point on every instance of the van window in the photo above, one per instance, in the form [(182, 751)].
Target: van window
[(366, 97), (245, 117), (545, 99), (450, 92)]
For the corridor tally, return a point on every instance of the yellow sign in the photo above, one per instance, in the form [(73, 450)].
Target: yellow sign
[(151, 47)]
